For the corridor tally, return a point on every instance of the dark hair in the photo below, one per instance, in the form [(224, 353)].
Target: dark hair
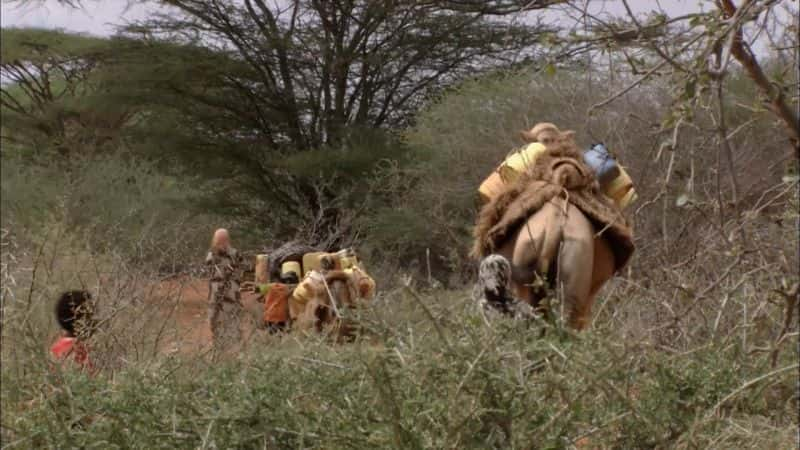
[(74, 307)]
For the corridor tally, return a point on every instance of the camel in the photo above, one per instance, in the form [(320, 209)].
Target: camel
[(564, 241), (316, 302), (552, 225)]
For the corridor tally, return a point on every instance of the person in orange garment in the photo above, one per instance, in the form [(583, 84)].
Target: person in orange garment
[(74, 313), (276, 302), (275, 297)]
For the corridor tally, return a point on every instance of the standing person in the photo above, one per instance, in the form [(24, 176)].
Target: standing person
[(74, 313), (224, 300)]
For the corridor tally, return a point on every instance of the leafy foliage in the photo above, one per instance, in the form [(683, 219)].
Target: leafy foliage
[(106, 202), (374, 121), (308, 78), (319, 67), (408, 386), (269, 124)]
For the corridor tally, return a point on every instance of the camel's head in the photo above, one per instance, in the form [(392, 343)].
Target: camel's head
[(546, 133)]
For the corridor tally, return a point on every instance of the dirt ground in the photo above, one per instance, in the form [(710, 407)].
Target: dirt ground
[(188, 306)]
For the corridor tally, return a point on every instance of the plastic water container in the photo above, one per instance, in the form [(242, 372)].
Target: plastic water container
[(514, 165), (520, 161), (629, 198), (290, 266), (602, 163), (491, 187), (348, 262), (262, 269), (312, 261), (620, 189), (614, 180)]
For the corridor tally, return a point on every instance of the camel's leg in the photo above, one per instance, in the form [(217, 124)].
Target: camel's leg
[(603, 268), (575, 262), (533, 249)]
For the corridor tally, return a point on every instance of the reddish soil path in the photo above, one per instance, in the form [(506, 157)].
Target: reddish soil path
[(191, 312)]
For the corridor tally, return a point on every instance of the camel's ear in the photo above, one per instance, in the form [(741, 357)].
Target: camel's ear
[(527, 136), (569, 134)]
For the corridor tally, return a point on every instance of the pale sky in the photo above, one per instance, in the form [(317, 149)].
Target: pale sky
[(99, 17)]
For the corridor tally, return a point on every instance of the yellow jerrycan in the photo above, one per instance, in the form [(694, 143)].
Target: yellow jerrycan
[(313, 261), (290, 266), (262, 269), (621, 190), (508, 172)]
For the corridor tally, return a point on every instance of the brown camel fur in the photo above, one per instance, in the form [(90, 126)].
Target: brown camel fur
[(545, 133)]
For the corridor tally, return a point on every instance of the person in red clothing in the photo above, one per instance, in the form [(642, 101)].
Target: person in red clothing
[(276, 302), (74, 313)]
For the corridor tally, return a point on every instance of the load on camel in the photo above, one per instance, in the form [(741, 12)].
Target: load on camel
[(552, 218), (309, 290)]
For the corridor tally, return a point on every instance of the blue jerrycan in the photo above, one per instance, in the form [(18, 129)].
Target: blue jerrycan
[(602, 163)]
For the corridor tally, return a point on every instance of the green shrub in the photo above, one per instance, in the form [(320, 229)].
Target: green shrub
[(105, 202), (410, 383)]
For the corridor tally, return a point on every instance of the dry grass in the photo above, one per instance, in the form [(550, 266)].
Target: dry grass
[(691, 348), (645, 376)]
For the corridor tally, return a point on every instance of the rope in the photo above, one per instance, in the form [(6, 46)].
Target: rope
[(330, 295)]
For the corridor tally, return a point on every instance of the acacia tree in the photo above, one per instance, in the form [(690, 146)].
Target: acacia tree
[(311, 76), (45, 100), (264, 96), (320, 67)]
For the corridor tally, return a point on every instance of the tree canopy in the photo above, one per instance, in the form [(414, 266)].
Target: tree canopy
[(316, 68), (287, 106), (271, 100)]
